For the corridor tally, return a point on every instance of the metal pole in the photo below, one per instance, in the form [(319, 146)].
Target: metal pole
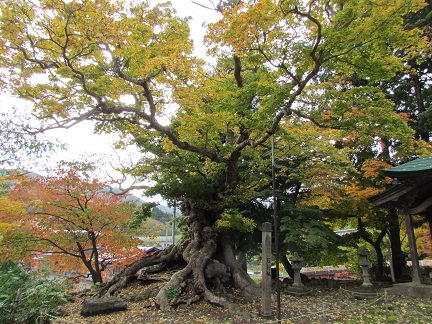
[(166, 235), (173, 222), (276, 233)]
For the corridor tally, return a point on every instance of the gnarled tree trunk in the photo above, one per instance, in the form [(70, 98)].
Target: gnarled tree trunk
[(204, 244), (120, 280)]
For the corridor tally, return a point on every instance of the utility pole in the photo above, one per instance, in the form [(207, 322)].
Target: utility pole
[(276, 233), (173, 221)]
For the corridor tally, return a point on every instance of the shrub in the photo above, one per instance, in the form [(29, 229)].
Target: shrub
[(37, 296)]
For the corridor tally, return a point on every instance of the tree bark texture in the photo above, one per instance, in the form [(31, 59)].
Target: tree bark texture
[(96, 306), (203, 245)]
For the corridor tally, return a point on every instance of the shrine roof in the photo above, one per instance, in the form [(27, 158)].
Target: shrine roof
[(411, 187), (416, 168)]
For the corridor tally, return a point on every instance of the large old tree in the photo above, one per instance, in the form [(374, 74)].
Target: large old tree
[(126, 66)]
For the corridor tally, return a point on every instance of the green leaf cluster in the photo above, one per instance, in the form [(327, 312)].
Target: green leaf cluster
[(305, 231), (235, 221)]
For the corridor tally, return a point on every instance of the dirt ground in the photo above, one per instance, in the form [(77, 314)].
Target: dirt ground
[(322, 305)]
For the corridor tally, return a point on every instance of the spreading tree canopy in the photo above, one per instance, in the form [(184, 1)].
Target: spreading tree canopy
[(125, 65)]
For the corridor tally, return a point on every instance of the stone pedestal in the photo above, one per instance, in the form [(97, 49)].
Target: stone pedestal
[(412, 290)]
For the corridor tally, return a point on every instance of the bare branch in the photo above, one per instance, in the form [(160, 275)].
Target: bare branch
[(122, 191), (201, 5)]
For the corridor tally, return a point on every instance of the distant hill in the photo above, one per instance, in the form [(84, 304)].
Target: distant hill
[(162, 208), (129, 197), (166, 209), (160, 215)]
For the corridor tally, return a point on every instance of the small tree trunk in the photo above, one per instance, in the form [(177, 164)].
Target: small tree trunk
[(287, 266), (15, 306), (380, 260), (95, 272), (429, 221), (380, 256), (96, 276)]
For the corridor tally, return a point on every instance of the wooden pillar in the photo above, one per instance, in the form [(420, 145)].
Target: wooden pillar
[(429, 220), (390, 258), (266, 270), (396, 250), (413, 249)]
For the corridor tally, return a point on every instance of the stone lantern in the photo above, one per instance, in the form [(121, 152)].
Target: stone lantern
[(364, 264), (366, 290), (297, 288), (297, 265)]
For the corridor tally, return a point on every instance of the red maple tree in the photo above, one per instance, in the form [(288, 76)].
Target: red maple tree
[(70, 220)]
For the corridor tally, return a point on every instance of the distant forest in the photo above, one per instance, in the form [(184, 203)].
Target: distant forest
[(163, 216)]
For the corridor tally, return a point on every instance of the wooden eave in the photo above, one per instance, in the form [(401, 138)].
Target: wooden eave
[(390, 195), (413, 192)]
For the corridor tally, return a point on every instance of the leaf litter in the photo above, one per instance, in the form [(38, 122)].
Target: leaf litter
[(323, 305)]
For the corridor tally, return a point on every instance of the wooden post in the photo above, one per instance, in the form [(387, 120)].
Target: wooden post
[(413, 250), (390, 257), (266, 285)]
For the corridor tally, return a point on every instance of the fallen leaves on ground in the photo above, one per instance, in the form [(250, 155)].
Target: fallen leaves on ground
[(323, 305)]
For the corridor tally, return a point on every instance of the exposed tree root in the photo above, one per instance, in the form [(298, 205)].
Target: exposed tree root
[(196, 252), (241, 279), (232, 308), (199, 251), (171, 254)]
